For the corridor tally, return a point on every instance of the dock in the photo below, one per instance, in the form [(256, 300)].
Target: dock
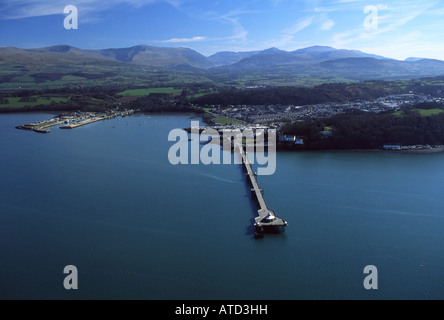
[(82, 123), (266, 221), (41, 127), (73, 120)]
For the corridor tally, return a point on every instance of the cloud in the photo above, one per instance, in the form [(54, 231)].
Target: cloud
[(239, 32), (193, 39), (276, 2), (297, 27), (19, 9), (327, 25), (392, 22), (402, 31), (288, 34), (350, 1), (412, 44)]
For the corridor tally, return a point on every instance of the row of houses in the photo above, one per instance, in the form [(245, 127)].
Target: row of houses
[(291, 139)]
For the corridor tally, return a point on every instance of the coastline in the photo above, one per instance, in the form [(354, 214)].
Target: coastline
[(418, 151), (43, 126), (413, 151)]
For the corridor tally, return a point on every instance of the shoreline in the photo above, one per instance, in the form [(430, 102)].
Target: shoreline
[(413, 151), (418, 151), (43, 126), (72, 120)]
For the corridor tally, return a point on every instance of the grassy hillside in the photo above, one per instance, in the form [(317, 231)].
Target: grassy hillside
[(148, 91), (147, 66), (35, 101)]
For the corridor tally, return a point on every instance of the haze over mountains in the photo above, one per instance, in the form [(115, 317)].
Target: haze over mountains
[(171, 57), (316, 61)]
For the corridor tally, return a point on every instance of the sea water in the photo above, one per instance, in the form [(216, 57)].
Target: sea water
[(105, 199)]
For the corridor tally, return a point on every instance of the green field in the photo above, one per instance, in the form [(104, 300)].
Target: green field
[(422, 112), (92, 75), (71, 78), (197, 95), (148, 91), (428, 112), (15, 102), (227, 121)]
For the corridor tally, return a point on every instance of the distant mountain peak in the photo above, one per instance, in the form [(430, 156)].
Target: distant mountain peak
[(272, 50), (412, 59), (316, 49), (225, 58), (322, 60)]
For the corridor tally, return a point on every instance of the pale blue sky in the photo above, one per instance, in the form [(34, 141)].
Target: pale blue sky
[(404, 29)]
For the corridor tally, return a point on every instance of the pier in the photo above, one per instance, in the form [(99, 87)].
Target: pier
[(266, 221), (73, 120), (41, 127)]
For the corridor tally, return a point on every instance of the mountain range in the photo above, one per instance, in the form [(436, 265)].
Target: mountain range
[(316, 61), (172, 57)]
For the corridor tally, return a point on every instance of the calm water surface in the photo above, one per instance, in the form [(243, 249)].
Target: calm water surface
[(105, 198)]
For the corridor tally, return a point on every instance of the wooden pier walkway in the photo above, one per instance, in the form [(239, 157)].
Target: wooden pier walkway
[(266, 219)]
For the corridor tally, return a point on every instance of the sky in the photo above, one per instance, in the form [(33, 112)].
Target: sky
[(392, 28)]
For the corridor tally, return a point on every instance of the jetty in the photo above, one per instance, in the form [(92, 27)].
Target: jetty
[(266, 221), (73, 120), (42, 126)]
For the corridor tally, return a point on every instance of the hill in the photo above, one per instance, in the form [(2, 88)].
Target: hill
[(64, 65), (156, 56), (142, 55), (228, 57), (421, 124), (307, 56), (371, 68)]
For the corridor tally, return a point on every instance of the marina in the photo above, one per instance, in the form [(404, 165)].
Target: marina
[(72, 120), (82, 123), (42, 126)]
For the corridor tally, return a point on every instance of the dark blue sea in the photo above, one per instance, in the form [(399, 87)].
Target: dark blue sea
[(105, 198)]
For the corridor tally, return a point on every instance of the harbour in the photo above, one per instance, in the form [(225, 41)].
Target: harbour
[(72, 120)]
